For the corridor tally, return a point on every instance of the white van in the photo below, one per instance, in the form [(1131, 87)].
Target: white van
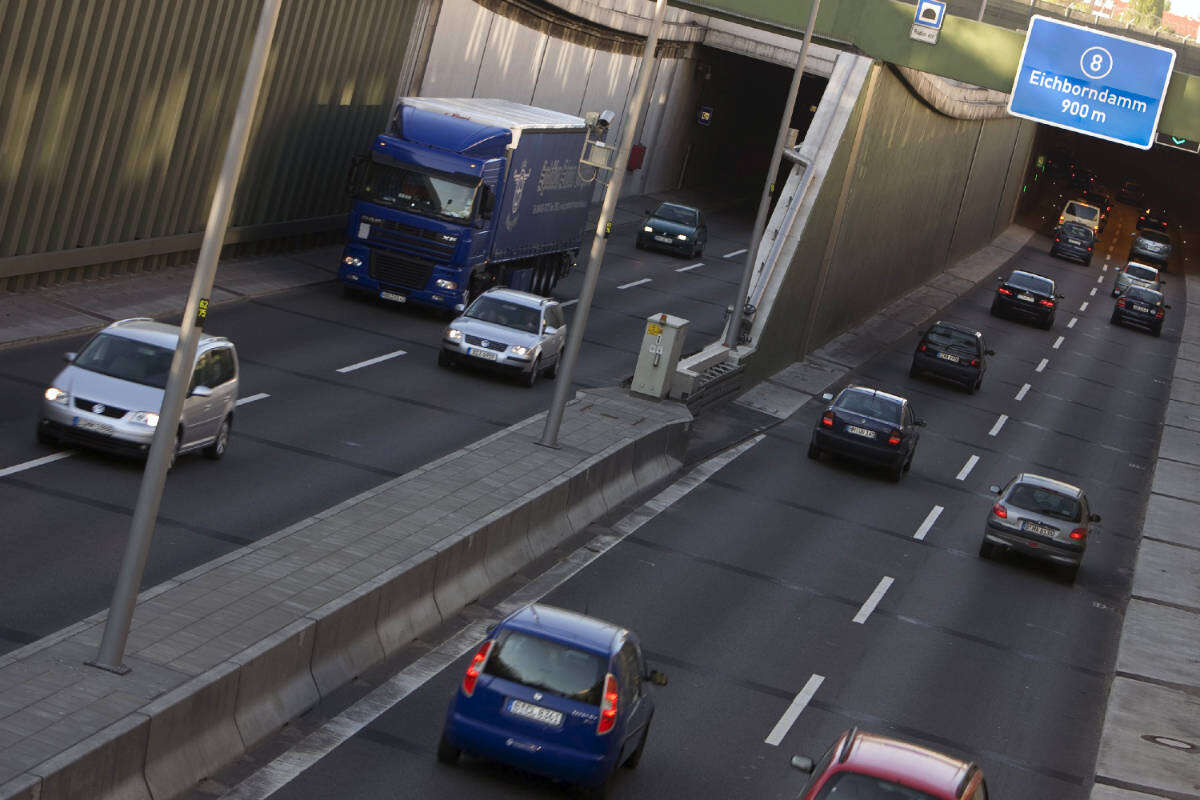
[(1078, 211)]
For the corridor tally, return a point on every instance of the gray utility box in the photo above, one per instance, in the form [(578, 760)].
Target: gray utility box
[(661, 345)]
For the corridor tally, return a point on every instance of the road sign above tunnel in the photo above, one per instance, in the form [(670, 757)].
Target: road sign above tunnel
[(1091, 82)]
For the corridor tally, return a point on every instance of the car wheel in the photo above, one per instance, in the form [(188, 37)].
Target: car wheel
[(913, 371), (814, 452), (1157, 330), (995, 310), (174, 451), (986, 549), (444, 359), (552, 370), (700, 251), (217, 448), (446, 752), (908, 464), (896, 473), (639, 244), (636, 756), (1114, 319), (44, 436), (532, 376), (1049, 323), (972, 386)]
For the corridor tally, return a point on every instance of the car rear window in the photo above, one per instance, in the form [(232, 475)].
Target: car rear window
[(856, 786), (1034, 283), (506, 313), (1045, 501), (1077, 230), (1143, 295), (1082, 211), (547, 666), (1141, 273), (1155, 236), (949, 337), (127, 359), (870, 405)]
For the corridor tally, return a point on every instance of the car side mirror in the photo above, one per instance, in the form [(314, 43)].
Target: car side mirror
[(69, 357), (827, 396), (989, 352), (656, 677), (803, 763), (649, 211), (994, 489), (1094, 518), (551, 330), (1165, 305), (1061, 296), (920, 423), (1000, 278), (201, 391)]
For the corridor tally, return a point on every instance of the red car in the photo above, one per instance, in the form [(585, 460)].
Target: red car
[(866, 765)]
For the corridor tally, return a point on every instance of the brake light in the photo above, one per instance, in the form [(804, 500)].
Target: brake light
[(472, 676), (1046, 303), (1000, 511), (894, 439), (1158, 313), (1120, 302), (1089, 248), (827, 419), (1057, 239), (608, 706), (1004, 290), (1079, 533), (922, 347), (974, 362), (1060, 220)]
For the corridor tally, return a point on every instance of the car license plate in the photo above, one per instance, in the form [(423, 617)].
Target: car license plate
[(482, 352), (1026, 297), (1033, 527), (857, 431), (1142, 309), (666, 239), (394, 297), (948, 357), (1074, 241), (546, 716), (89, 425)]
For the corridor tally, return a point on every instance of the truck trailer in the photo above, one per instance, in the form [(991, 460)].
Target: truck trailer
[(462, 194)]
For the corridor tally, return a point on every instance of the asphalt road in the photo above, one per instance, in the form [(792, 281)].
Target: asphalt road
[(318, 437), (749, 586)]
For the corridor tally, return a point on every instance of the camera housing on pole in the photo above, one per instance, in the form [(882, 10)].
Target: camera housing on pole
[(596, 153)]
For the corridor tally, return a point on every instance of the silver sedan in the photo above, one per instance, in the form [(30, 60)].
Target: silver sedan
[(508, 331)]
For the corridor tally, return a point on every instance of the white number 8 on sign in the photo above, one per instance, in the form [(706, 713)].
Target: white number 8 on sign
[(1096, 62)]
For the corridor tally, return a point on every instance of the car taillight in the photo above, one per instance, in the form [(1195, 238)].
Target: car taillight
[(1089, 248), (1158, 313), (1000, 511), (1057, 239), (827, 419), (974, 362), (608, 706), (922, 347), (472, 676), (894, 438), (1046, 303), (1079, 533), (1004, 290), (1120, 302)]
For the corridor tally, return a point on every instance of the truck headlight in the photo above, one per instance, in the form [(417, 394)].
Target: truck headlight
[(681, 237), (351, 261), (442, 283), (647, 229), (519, 351), (454, 334), (56, 395), (147, 418)]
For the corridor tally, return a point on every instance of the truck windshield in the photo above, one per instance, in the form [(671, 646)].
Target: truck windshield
[(411, 190)]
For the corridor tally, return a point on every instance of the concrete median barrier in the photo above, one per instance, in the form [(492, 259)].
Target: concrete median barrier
[(276, 682), (109, 765), (460, 576), (549, 523), (346, 641), (407, 608), (507, 545)]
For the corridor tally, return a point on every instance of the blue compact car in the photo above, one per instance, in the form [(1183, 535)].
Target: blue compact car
[(555, 693)]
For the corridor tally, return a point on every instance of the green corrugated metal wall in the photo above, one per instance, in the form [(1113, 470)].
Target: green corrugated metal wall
[(114, 116)]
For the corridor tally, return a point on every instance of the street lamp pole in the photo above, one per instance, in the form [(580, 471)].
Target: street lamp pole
[(141, 529), (760, 220), (562, 388)]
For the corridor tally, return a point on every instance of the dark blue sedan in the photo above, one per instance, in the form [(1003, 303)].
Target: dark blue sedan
[(868, 425), (555, 693), (680, 229)]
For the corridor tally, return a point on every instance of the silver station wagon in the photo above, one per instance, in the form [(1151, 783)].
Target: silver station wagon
[(109, 395), (508, 331)]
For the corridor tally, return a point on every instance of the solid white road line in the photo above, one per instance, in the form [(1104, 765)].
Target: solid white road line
[(1041, 365), (634, 283), (1083, 306), (967, 467), (690, 268), (734, 253), (1092, 293), (930, 518), (566, 303), (999, 424), (1071, 324), (793, 711), (37, 462), (1021, 392), (371, 361), (885, 583), (254, 398), (1058, 342), (289, 765)]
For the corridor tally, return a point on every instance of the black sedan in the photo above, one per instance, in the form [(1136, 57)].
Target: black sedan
[(1142, 307), (1153, 220), (953, 352), (1074, 240), (673, 227), (868, 425), (1026, 294)]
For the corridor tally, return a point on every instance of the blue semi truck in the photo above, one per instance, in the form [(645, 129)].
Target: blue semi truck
[(463, 194)]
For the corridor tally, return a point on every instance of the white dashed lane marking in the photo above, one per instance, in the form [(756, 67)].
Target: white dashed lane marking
[(1099, 279), (885, 583), (37, 462), (1041, 365), (930, 518), (690, 267), (999, 424), (967, 467), (631, 284), (1083, 306), (371, 361), (1092, 293), (1022, 391), (254, 398), (793, 711), (734, 253), (1058, 342), (1071, 324)]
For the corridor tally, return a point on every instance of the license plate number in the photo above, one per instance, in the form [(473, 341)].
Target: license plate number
[(662, 239), (1033, 527), (546, 716), (394, 297), (866, 433), (1074, 241), (1142, 309), (482, 352), (948, 357), (1026, 297), (89, 425)]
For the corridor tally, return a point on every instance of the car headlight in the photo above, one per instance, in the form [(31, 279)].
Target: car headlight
[(681, 237), (56, 395), (147, 418), (517, 350), (647, 229), (454, 334), (442, 283), (351, 261)]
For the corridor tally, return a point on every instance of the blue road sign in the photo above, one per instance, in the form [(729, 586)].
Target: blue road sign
[(1090, 82), (930, 13)]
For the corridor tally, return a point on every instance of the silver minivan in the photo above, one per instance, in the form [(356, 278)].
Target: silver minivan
[(109, 395)]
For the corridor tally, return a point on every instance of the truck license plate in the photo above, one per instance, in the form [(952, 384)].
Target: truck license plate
[(394, 297), (546, 716)]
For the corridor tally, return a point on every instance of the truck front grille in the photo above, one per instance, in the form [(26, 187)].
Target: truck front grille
[(400, 270)]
